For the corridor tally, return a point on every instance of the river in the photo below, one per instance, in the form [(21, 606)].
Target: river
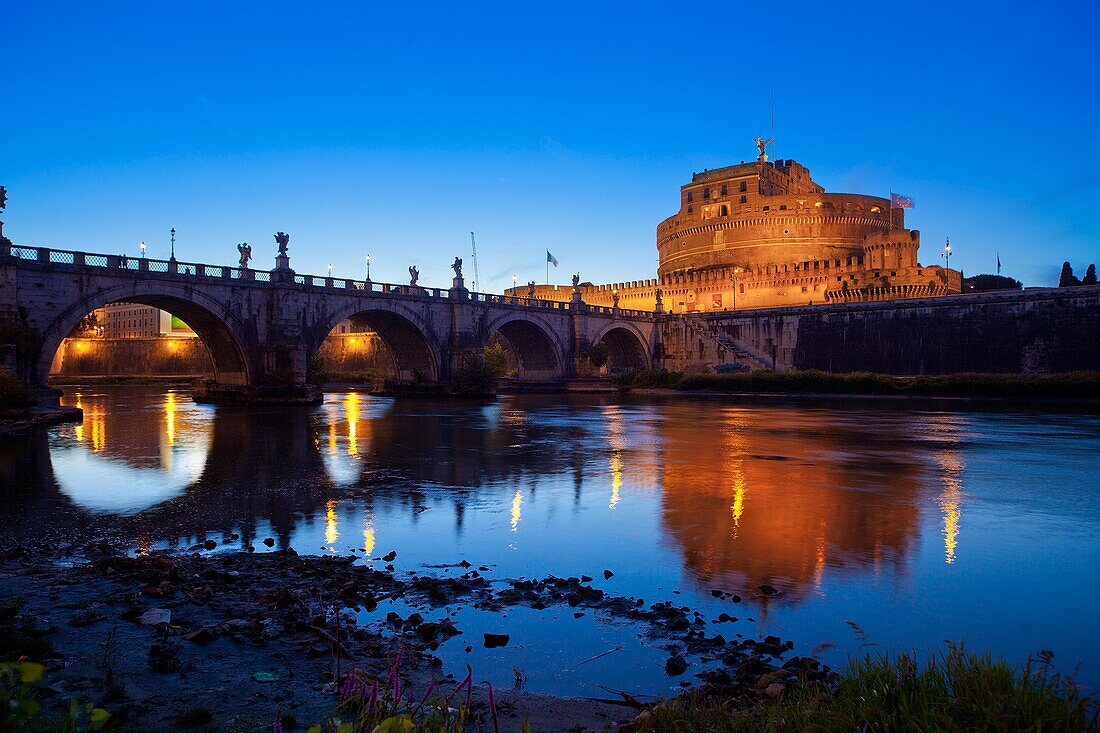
[(883, 527)]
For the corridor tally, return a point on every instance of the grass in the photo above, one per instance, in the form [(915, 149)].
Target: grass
[(954, 691), (1071, 384)]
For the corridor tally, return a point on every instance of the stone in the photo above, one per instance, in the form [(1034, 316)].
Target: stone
[(155, 616), (675, 665), (492, 641)]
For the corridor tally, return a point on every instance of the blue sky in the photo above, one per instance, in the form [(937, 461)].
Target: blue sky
[(396, 129)]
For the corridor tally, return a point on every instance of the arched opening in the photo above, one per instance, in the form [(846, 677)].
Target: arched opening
[(215, 347), (374, 345), (626, 352), (531, 353)]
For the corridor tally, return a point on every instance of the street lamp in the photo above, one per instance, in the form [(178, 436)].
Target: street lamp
[(330, 269), (368, 267), (173, 243), (514, 294), (946, 254), (143, 250), (736, 271)]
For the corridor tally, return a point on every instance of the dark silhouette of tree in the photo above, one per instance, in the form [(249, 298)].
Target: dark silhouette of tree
[(598, 354), (986, 283), (1067, 278), (1090, 276)]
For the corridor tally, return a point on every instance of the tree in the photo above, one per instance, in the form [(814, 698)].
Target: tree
[(1090, 276), (88, 325), (986, 283), (598, 354), (1067, 278), (496, 356)]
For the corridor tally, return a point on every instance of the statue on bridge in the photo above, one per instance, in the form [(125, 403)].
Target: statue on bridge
[(531, 290), (457, 267), (245, 251), (283, 240), (615, 299), (576, 280), (660, 300), (414, 275), (3, 198)]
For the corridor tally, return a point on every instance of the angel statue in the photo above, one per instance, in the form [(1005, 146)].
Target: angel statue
[(457, 266), (762, 145), (531, 289), (283, 240), (245, 251), (576, 279), (414, 275), (3, 198)]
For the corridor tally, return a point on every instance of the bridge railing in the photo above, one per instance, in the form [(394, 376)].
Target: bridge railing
[(200, 271)]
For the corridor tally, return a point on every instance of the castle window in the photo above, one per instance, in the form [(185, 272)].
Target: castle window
[(706, 193), (876, 209), (744, 199), (725, 210), (767, 208), (691, 196), (744, 186), (782, 207), (689, 208), (725, 189)]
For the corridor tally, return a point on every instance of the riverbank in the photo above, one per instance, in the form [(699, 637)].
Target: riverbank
[(155, 639), (1069, 386), (236, 641), (21, 421)]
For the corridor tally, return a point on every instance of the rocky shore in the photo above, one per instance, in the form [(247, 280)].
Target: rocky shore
[(239, 638), (20, 421)]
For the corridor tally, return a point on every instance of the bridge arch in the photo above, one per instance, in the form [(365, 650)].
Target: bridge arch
[(221, 331), (628, 349), (409, 337), (535, 344)]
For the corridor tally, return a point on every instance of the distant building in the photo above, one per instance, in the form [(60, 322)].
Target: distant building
[(764, 234), (135, 321)]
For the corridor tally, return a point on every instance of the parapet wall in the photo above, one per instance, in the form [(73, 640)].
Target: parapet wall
[(1038, 331)]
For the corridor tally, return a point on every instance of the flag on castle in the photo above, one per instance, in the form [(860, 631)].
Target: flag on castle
[(551, 259), (900, 201)]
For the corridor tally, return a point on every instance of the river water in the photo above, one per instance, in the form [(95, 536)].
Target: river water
[(884, 527)]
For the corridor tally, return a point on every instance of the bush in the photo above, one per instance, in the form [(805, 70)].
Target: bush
[(496, 356), (474, 378), (954, 691), (1070, 384)]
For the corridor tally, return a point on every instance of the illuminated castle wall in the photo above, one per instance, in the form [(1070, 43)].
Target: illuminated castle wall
[(764, 234)]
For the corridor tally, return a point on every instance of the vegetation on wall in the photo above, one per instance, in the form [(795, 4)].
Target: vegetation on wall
[(987, 283), (1071, 384)]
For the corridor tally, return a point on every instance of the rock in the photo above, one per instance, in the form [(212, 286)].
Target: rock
[(210, 545), (203, 635), (586, 578), (775, 689), (164, 657), (390, 556), (608, 575), (269, 542), (577, 614), (155, 616), (676, 665), (767, 590), (492, 641)]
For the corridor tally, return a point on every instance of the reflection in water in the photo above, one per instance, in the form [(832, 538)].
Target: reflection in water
[(817, 502)]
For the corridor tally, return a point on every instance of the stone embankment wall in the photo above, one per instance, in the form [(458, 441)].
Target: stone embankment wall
[(358, 353), (354, 353), (131, 357), (1039, 331)]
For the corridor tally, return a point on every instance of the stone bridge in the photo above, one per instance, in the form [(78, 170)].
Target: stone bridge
[(263, 327)]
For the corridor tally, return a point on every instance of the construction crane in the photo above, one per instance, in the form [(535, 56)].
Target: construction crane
[(473, 246)]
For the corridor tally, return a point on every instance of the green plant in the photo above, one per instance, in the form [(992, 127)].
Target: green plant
[(496, 356), (21, 711), (953, 691), (598, 354), (388, 706), (474, 378)]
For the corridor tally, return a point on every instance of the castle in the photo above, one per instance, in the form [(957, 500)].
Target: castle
[(764, 234)]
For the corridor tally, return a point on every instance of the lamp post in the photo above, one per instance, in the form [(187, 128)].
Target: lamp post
[(368, 267), (173, 257), (330, 269), (946, 254), (736, 271), (515, 295), (143, 250)]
